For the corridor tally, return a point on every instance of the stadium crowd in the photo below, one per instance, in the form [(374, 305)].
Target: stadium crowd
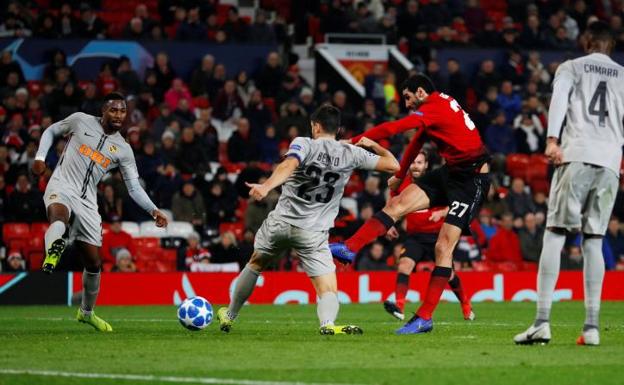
[(197, 140)]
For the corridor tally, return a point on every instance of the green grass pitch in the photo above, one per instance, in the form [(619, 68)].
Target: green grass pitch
[(280, 345)]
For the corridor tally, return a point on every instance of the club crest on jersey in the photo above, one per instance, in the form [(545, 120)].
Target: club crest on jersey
[(112, 149)]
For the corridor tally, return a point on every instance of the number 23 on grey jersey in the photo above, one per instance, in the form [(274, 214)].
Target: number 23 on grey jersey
[(311, 196)]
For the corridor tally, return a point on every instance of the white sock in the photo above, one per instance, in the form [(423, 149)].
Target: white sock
[(90, 290), (593, 274), (549, 264), (54, 232), (327, 308), (245, 285)]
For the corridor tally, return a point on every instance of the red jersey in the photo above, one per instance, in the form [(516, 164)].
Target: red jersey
[(418, 222), (440, 119)]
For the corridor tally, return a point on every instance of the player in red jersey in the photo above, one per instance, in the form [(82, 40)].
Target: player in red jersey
[(422, 228), (461, 184)]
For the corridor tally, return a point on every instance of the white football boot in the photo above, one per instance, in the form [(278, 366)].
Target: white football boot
[(590, 337), (534, 335)]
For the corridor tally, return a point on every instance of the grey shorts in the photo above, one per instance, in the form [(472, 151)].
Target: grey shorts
[(582, 197), (86, 224), (275, 236)]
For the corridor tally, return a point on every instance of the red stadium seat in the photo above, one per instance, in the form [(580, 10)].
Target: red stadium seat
[(538, 167), (38, 228), (34, 87), (12, 231), (146, 243), (241, 208), (238, 228), (35, 260), (517, 165), (34, 245)]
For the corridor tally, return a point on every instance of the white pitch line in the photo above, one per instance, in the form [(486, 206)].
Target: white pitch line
[(152, 378)]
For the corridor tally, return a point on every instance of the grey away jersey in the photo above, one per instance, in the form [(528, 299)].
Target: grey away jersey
[(594, 131), (88, 155), (311, 196)]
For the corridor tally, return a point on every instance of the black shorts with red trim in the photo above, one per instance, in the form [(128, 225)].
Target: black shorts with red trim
[(463, 190), (420, 247)]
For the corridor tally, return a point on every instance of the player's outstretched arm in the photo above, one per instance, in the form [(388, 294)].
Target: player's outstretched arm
[(47, 139), (141, 198), (562, 86), (281, 173), (388, 129), (387, 162)]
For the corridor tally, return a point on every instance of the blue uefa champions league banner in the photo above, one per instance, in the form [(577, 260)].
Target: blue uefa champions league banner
[(86, 56)]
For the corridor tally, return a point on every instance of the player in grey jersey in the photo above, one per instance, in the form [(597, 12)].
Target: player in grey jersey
[(588, 93), (94, 148), (314, 175)]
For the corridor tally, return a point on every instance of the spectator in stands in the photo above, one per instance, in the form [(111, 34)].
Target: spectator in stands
[(90, 26), (242, 146), (206, 136), (187, 205), (226, 251), (191, 157), (486, 223), (531, 237), (269, 146), (25, 203), (245, 86), (529, 131), (15, 262), (46, 27), (499, 136), (572, 259), (167, 184), (164, 75), (289, 91), (615, 239), (220, 206), (486, 77), (109, 203), (374, 86), (192, 28), (258, 114), (270, 77), (245, 248), (183, 113), (202, 265), (69, 26), (373, 259), (474, 16), (236, 28), (505, 244), (134, 30), (347, 118), (14, 27), (372, 194), (229, 103), (457, 84), (194, 253), (257, 211), (177, 92), (149, 163), (142, 12), (260, 31), (509, 101), (519, 200), (200, 80), (8, 65), (115, 239), (560, 40), (123, 262), (409, 20), (129, 82)]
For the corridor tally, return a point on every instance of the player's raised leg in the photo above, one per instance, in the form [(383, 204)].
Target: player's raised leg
[(58, 216), (90, 287), (441, 274), (327, 306), (245, 284), (413, 198)]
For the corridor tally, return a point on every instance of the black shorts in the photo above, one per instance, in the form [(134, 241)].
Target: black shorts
[(420, 247), (462, 190)]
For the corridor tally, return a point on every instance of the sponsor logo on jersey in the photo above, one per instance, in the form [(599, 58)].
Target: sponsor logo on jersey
[(95, 156), (52, 197)]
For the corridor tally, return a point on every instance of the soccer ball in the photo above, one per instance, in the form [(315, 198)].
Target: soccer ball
[(195, 313)]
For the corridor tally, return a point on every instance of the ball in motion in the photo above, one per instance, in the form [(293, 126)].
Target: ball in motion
[(195, 313)]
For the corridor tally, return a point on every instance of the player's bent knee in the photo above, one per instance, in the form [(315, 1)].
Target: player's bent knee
[(406, 265)]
